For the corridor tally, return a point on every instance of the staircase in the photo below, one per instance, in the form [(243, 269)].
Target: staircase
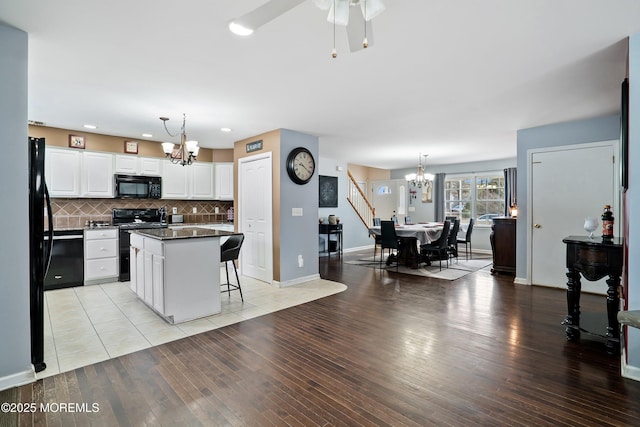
[(359, 201)]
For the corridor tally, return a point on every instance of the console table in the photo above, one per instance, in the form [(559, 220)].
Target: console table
[(329, 230), (593, 258)]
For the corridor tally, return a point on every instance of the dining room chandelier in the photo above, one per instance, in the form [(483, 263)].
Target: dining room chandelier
[(419, 179), (187, 151)]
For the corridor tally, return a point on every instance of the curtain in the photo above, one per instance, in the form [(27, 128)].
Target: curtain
[(510, 187), (438, 197)]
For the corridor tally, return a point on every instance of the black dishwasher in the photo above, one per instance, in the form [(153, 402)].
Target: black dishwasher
[(67, 260)]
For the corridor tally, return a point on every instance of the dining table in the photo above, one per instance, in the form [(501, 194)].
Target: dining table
[(410, 236)]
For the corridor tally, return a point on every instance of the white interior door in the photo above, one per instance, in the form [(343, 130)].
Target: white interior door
[(567, 185), (387, 197), (255, 216)]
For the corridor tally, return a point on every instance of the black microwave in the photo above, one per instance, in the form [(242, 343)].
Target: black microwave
[(137, 187)]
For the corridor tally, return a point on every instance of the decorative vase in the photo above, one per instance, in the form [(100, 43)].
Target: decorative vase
[(332, 219), (590, 225)]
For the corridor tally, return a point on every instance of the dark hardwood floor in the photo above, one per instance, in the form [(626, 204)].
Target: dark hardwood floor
[(392, 350)]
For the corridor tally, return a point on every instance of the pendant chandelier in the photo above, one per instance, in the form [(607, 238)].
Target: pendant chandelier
[(419, 179), (187, 151)]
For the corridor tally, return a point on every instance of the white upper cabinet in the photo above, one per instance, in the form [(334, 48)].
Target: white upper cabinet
[(201, 181), (97, 174), (134, 165), (224, 181), (150, 166), (194, 181), (62, 172), (127, 165), (174, 181)]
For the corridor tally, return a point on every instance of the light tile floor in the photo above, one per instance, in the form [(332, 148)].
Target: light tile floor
[(89, 324)]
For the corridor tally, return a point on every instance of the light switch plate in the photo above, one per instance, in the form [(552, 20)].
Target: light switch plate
[(296, 211)]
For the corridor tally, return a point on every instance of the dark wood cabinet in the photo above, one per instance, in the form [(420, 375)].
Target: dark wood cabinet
[(503, 245), (594, 258)]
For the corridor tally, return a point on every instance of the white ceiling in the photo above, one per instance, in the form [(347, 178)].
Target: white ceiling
[(452, 79)]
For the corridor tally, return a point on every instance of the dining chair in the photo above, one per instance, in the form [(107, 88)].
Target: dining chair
[(229, 251), (450, 218), (467, 240), (377, 238), (439, 247), (389, 241), (452, 244)]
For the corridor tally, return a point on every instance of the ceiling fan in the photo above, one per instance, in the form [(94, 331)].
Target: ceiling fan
[(359, 31)]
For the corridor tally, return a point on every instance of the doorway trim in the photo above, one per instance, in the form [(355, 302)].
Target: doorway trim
[(241, 212), (614, 143)]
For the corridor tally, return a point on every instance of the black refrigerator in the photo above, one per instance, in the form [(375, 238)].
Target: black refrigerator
[(39, 247)]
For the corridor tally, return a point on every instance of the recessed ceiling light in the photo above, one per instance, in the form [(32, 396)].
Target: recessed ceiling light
[(91, 126), (147, 135), (225, 129)]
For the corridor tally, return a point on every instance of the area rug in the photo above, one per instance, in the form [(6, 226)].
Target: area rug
[(455, 271)]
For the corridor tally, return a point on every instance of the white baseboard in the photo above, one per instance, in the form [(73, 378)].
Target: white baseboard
[(293, 282), (521, 281), (631, 372), (17, 379), (359, 248)]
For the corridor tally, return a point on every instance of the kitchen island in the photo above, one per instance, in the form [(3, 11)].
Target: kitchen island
[(176, 272)]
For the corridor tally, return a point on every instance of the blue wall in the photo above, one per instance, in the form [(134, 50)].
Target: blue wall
[(575, 132), (15, 347), (298, 234)]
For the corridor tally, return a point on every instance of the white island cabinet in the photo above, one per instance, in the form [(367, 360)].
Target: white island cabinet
[(176, 272)]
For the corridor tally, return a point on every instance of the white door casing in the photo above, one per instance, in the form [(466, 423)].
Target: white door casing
[(255, 216), (567, 184)]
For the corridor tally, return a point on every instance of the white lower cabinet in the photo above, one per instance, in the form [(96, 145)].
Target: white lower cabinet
[(136, 265), (177, 278), (158, 282), (100, 256)]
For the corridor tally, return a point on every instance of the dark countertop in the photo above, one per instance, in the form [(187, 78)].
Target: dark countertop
[(182, 233)]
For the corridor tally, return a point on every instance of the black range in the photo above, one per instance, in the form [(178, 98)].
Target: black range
[(134, 219)]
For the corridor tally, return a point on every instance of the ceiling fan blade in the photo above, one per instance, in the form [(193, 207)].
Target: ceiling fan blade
[(265, 13), (373, 8), (339, 11), (355, 32)]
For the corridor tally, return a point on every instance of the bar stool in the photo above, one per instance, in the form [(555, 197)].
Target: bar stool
[(229, 251)]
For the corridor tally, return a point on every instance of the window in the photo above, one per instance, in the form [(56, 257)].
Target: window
[(479, 196)]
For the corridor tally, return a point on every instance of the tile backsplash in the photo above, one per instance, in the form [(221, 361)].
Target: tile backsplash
[(74, 213)]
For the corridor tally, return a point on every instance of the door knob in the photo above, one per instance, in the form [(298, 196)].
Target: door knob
[(537, 226)]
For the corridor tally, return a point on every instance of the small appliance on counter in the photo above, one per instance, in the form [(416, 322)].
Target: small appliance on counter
[(176, 219)]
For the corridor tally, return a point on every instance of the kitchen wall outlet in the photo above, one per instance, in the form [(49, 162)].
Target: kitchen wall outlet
[(195, 210), (174, 211), (412, 208), (300, 261)]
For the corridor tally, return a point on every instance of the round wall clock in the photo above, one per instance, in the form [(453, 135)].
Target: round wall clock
[(300, 165)]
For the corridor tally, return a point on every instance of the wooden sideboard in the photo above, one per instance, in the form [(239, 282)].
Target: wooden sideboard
[(503, 245)]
